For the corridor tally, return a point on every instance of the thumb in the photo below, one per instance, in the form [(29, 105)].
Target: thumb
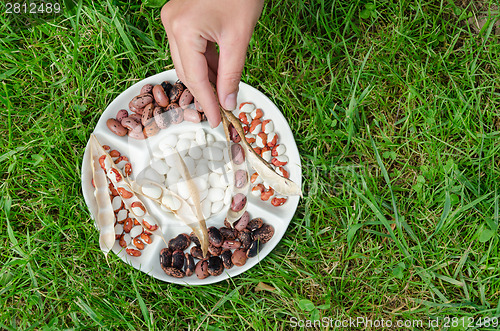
[(231, 61)]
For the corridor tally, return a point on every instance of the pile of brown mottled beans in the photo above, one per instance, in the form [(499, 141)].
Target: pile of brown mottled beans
[(156, 108), (228, 247)]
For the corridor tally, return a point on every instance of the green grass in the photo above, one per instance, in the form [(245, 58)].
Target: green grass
[(397, 119)]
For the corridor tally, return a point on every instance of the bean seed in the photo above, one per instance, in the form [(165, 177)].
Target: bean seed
[(238, 202), (166, 258), (173, 272), (122, 113), (160, 96), (215, 266), (148, 88), (194, 239), (215, 251), (264, 233), (242, 222), (116, 127), (197, 253), (142, 100), (229, 234), (226, 258), (255, 223), (245, 238), (254, 248), (178, 259), (201, 269), (188, 264), (176, 113), (231, 244), (215, 237), (239, 257), (181, 242)]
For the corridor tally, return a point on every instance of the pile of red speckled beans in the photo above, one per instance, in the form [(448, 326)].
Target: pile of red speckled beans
[(155, 108), (261, 135)]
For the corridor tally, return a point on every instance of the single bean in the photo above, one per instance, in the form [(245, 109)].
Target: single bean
[(116, 127), (122, 113), (238, 202), (160, 96)]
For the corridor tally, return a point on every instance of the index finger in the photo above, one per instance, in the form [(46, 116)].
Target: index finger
[(195, 69)]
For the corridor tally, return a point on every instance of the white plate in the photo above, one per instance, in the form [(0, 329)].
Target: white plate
[(139, 153)]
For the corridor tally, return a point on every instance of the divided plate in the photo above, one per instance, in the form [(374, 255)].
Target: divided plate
[(139, 153)]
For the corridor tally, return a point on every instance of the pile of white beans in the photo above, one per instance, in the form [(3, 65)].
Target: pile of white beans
[(208, 163)]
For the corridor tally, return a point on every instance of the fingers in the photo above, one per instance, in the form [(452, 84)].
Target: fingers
[(196, 72), (176, 59), (231, 61), (212, 57)]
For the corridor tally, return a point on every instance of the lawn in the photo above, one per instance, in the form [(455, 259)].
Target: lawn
[(395, 107)]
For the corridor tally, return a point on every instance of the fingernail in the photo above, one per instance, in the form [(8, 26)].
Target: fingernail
[(211, 123), (230, 102)]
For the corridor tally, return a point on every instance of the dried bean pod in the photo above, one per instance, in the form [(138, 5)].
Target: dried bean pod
[(181, 242), (201, 269), (226, 256), (188, 264), (215, 266), (264, 233), (165, 258)]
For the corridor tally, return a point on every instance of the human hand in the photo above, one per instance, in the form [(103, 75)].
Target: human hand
[(193, 28)]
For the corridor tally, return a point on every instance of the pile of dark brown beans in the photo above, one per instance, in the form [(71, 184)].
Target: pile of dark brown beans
[(228, 247), (156, 108)]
